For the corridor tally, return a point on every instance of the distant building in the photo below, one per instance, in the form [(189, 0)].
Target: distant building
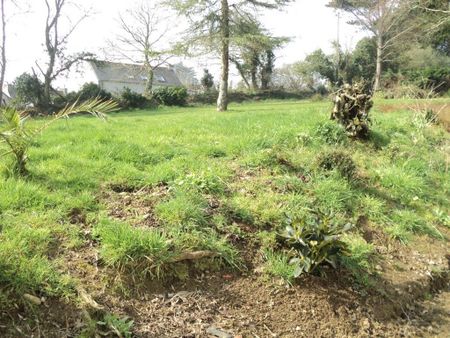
[(114, 77)]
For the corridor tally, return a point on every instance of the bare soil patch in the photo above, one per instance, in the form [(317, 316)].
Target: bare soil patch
[(410, 300), (136, 206), (410, 297)]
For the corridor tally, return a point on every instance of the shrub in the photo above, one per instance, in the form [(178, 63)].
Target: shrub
[(351, 109), (29, 90), (91, 91), (207, 80), (317, 97), (171, 96), (437, 77), (129, 99), (69, 98), (337, 160), (314, 241)]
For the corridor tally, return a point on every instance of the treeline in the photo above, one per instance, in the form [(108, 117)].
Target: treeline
[(406, 53)]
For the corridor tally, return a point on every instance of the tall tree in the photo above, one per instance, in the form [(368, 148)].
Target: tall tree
[(384, 19), (144, 31), (433, 20), (56, 43), (252, 51), (363, 59), (210, 27)]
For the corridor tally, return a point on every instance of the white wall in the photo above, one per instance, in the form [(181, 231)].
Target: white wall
[(115, 87)]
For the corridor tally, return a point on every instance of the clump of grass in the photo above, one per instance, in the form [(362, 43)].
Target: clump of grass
[(204, 181), (277, 264), (400, 184), (264, 209), (185, 208), (207, 239), (337, 160), (153, 251), (359, 259), (374, 208), (398, 232), (333, 193), (267, 239), (331, 133), (411, 222), (125, 246), (24, 265)]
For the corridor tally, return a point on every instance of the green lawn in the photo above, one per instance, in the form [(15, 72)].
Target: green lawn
[(221, 182)]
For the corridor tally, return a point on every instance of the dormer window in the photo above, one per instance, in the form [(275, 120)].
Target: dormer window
[(144, 78)]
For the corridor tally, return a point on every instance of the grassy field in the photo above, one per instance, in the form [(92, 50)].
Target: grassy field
[(144, 188)]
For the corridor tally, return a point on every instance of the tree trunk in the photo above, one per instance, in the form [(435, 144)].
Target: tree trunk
[(149, 82), (48, 82), (3, 65), (377, 84), (222, 100), (254, 71), (241, 72)]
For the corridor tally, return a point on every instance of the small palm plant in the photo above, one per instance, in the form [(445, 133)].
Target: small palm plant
[(16, 136)]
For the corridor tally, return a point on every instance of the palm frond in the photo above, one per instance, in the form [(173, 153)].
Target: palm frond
[(18, 136)]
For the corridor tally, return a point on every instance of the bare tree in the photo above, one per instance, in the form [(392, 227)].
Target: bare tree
[(143, 39), (384, 19), (55, 45)]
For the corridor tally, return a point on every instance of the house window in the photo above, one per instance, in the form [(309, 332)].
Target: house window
[(131, 77), (144, 78), (161, 78)]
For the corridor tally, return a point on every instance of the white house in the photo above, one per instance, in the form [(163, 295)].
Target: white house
[(114, 77)]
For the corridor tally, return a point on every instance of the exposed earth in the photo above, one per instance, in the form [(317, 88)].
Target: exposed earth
[(409, 297)]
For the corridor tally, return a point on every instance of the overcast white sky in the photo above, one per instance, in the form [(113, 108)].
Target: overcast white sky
[(309, 23)]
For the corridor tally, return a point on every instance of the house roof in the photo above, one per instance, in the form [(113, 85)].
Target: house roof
[(133, 73)]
